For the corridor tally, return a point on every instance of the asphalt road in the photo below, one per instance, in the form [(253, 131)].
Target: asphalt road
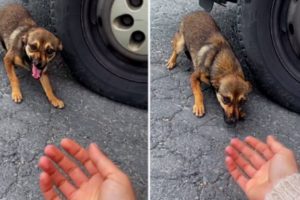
[(187, 153), (25, 129)]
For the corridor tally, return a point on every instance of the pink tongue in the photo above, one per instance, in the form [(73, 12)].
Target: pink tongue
[(36, 73)]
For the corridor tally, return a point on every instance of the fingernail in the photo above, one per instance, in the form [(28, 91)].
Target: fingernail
[(232, 140), (272, 137), (40, 160), (228, 159), (43, 163), (94, 145), (247, 138), (47, 149), (65, 139), (227, 149)]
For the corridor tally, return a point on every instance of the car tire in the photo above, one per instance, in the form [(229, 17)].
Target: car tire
[(263, 32), (94, 60)]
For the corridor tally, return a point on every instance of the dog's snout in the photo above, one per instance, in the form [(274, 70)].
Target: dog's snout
[(237, 113), (230, 120), (37, 63)]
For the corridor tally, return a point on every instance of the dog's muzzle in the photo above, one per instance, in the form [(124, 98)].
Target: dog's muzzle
[(37, 69), (232, 121)]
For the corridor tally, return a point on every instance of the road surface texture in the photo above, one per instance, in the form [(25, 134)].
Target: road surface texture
[(187, 153), (25, 129)]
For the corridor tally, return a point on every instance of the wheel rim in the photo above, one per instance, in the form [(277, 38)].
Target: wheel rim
[(96, 36), (129, 25), (284, 38), (125, 24), (294, 25)]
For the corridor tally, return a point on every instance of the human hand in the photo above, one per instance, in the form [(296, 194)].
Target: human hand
[(103, 179), (257, 167)]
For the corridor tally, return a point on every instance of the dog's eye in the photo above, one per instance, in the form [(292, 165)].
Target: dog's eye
[(226, 100), (242, 102), (50, 51), (33, 47)]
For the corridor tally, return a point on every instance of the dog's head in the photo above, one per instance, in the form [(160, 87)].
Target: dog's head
[(41, 46), (232, 92)]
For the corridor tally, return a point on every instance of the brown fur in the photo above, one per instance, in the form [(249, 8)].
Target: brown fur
[(26, 43), (214, 62)]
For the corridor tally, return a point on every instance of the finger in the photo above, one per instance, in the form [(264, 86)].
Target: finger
[(236, 173), (240, 161), (68, 166), (58, 179), (275, 146), (47, 187), (105, 166), (80, 154), (254, 158), (260, 147)]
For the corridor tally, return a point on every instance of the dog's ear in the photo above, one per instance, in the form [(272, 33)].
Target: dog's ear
[(249, 86), (24, 39), (216, 84), (60, 45)]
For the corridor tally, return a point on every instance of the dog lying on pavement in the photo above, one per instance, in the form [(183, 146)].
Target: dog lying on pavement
[(214, 63), (28, 46)]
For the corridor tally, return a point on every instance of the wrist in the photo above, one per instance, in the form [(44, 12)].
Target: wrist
[(286, 188)]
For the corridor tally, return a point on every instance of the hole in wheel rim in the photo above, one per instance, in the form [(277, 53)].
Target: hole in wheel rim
[(124, 21), (136, 40), (135, 3)]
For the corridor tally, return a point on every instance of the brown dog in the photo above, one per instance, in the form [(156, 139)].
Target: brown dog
[(214, 63), (27, 46)]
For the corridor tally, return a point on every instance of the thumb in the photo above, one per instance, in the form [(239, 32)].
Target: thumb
[(275, 146), (104, 165)]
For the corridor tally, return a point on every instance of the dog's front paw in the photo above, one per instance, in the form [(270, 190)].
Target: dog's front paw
[(57, 103), (171, 64), (17, 96), (199, 110)]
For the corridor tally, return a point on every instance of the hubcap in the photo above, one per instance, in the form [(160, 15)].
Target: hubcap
[(294, 25), (285, 35), (129, 25), (104, 47)]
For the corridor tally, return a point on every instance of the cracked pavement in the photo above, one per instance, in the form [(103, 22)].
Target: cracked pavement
[(26, 128), (187, 153)]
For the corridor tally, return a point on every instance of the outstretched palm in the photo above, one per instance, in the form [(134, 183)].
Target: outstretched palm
[(102, 179), (257, 166)]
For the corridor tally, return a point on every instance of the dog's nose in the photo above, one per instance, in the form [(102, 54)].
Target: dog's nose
[(230, 120), (37, 64)]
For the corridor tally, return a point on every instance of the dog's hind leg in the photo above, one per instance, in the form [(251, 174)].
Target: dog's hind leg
[(178, 46), (198, 108), (14, 81)]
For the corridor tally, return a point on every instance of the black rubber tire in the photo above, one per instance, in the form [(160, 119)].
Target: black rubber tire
[(268, 71), (94, 72)]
